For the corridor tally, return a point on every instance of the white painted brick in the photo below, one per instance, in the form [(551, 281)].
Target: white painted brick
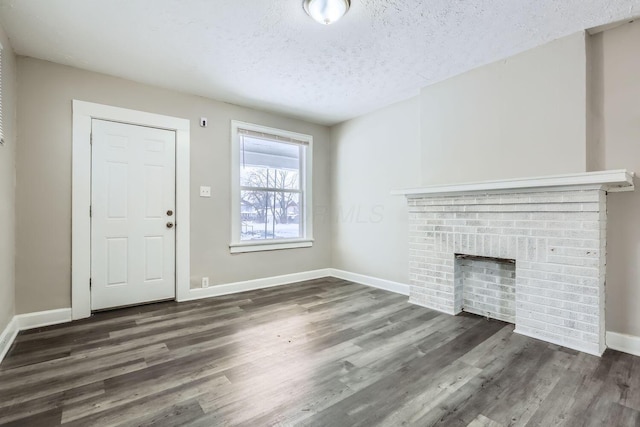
[(558, 239), (574, 252), (546, 198), (582, 234), (577, 261), (575, 243), (580, 271), (546, 232)]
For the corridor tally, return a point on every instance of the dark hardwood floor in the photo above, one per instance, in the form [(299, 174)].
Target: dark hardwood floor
[(324, 352)]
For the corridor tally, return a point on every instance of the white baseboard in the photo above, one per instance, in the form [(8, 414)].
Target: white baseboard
[(250, 285), (387, 285), (23, 322), (623, 342), (40, 319), (7, 337)]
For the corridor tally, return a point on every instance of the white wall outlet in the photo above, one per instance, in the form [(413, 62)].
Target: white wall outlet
[(203, 122), (205, 191), (205, 282)]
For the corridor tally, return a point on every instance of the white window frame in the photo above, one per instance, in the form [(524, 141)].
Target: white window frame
[(306, 184)]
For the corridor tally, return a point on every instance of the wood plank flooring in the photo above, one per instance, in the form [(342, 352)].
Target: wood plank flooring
[(320, 353)]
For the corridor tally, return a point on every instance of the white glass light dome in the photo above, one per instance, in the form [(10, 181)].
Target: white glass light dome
[(326, 11)]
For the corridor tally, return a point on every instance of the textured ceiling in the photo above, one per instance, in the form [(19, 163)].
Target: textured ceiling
[(270, 55)]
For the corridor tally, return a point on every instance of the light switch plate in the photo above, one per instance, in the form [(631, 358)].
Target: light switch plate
[(205, 191)]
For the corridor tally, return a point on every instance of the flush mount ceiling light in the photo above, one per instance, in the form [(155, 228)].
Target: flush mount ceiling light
[(326, 11)]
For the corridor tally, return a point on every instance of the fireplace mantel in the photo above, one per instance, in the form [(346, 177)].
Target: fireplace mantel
[(612, 181)]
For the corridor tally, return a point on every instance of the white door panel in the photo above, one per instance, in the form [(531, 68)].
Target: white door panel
[(133, 190)]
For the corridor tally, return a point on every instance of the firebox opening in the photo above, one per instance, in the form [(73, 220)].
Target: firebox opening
[(487, 285)]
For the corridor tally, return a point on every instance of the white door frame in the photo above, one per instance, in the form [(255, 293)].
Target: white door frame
[(83, 113)]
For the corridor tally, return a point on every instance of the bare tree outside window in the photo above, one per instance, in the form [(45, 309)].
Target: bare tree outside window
[(270, 199)]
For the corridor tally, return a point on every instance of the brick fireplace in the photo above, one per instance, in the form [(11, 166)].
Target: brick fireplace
[(548, 235)]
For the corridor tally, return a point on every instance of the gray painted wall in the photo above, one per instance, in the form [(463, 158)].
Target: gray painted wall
[(618, 76), (524, 116), (7, 184), (371, 156), (43, 265)]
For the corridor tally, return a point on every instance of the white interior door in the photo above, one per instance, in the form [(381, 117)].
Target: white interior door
[(132, 214)]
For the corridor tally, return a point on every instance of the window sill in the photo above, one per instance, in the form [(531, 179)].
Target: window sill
[(252, 246)]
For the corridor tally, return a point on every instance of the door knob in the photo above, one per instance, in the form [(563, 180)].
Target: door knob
[(169, 225), (169, 213)]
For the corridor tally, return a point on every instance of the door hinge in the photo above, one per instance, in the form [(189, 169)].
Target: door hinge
[(90, 211), (89, 282), (91, 138)]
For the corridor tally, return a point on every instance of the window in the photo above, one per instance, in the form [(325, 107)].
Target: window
[(271, 188)]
